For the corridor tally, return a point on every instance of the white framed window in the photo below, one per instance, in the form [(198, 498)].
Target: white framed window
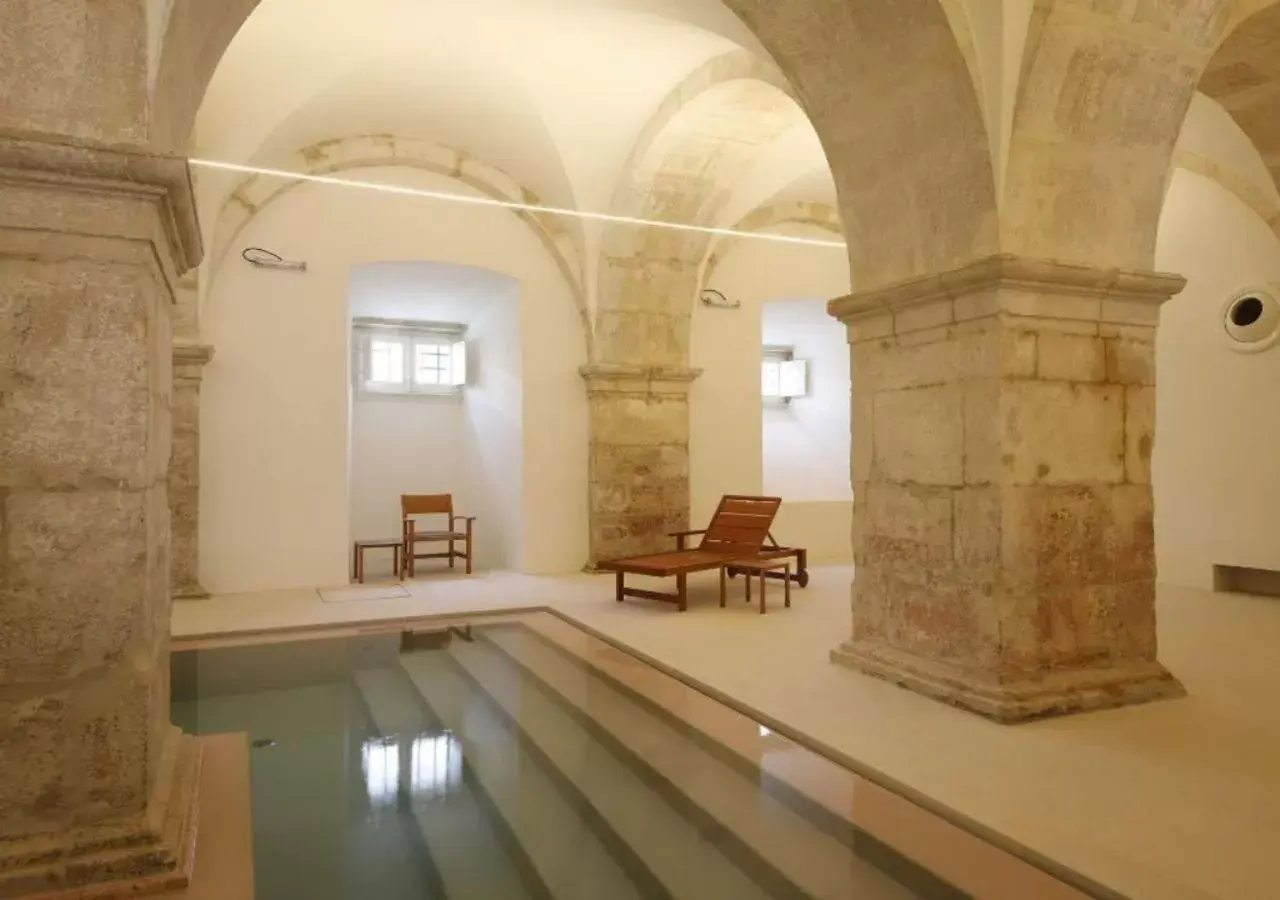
[(782, 376), (407, 357)]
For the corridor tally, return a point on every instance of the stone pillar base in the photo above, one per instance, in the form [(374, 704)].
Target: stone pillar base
[(1053, 694), (191, 592), (122, 859)]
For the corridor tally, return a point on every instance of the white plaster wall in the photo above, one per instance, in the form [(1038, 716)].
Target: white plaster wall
[(1215, 463), (275, 450), (443, 444), (806, 443), (726, 415)]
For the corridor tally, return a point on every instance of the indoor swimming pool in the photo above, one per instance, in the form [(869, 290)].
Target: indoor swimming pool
[(525, 758)]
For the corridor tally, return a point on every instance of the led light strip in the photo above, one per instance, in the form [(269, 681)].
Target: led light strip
[(511, 204)]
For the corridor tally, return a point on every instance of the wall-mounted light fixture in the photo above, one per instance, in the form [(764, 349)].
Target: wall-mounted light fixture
[(266, 259), (716, 300)]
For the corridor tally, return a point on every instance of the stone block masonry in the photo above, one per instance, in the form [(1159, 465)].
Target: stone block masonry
[(1003, 426), (638, 479), (95, 784)]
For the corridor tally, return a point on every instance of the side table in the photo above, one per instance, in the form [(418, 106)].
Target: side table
[(758, 568), (396, 546)]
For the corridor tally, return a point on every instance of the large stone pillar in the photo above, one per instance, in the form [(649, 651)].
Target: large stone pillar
[(1003, 424), (189, 361), (95, 783), (639, 457)]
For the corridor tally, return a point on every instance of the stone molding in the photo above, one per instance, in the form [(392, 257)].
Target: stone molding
[(106, 175), (189, 361), (605, 378), (1008, 284)]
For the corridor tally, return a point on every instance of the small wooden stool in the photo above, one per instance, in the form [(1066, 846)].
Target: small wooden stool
[(396, 545), (760, 568)]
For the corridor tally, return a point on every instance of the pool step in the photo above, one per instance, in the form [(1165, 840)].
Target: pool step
[(770, 839), (567, 849), (473, 859), (687, 854)]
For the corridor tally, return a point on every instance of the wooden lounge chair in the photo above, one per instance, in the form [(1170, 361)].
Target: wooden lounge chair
[(737, 531)]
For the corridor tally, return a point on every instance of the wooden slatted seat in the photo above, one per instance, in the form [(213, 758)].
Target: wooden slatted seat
[(738, 530)]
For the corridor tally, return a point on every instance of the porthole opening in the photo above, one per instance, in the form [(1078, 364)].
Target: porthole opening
[(1246, 311), (1251, 319)]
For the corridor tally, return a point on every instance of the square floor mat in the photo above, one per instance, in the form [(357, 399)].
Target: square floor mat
[(362, 592)]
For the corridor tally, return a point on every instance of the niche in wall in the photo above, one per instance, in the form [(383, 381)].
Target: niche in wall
[(806, 438), (461, 434), (805, 426)]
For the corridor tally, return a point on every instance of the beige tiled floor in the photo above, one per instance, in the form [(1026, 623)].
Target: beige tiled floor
[(1179, 799)]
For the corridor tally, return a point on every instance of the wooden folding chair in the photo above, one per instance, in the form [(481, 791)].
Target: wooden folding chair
[(414, 505)]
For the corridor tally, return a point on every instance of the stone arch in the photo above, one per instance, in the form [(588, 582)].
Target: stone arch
[(1264, 206), (254, 192), (702, 138), (890, 90), (821, 216), (1102, 99), (1243, 75), (196, 35)]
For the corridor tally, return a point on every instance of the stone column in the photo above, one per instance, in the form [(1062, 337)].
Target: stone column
[(184, 471), (639, 457), (1003, 423), (95, 783)]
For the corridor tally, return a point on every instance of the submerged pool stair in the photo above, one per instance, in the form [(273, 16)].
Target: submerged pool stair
[(601, 793)]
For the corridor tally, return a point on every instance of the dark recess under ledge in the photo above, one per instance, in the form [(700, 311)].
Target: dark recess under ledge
[(1241, 580)]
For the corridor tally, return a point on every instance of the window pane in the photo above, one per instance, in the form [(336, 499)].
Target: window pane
[(792, 378), (431, 364), (771, 378), (386, 362)]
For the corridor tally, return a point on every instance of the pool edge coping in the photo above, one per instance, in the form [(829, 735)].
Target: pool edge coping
[(1015, 848)]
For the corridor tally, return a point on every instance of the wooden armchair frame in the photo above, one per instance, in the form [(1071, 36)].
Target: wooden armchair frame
[(413, 505)]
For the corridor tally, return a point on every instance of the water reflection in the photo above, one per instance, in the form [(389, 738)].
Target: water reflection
[(382, 770), (434, 766)]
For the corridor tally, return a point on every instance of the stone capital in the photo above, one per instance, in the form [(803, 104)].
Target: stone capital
[(189, 360), (109, 202), (1012, 286), (608, 378)]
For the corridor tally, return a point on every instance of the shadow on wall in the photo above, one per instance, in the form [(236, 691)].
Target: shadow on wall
[(464, 442)]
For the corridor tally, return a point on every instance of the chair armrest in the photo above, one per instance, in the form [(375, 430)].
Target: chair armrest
[(453, 519), (683, 536)]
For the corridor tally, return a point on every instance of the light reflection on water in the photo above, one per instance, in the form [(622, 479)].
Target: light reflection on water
[(434, 769)]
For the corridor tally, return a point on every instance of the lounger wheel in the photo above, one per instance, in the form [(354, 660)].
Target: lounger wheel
[(803, 579)]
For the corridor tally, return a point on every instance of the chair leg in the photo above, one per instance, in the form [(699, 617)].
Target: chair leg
[(450, 549), (786, 587), (682, 591), (618, 586), (763, 580), (722, 585), (470, 545), (360, 566)]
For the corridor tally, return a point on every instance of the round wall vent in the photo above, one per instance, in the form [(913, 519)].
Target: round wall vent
[(1251, 318)]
